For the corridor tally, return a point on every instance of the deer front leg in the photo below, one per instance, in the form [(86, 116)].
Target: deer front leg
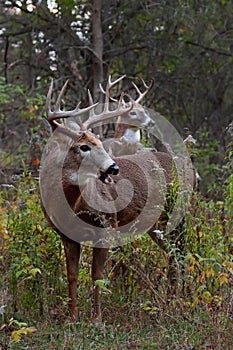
[(72, 252), (99, 258)]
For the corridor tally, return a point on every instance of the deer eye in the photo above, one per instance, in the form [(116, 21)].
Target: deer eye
[(85, 148), (133, 114)]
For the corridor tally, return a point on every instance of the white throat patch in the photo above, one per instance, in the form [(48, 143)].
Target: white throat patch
[(132, 135)]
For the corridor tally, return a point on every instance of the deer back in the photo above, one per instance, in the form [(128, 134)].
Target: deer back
[(149, 176)]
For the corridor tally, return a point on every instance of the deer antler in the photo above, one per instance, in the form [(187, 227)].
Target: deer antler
[(107, 113), (93, 118), (58, 113), (143, 94), (110, 84)]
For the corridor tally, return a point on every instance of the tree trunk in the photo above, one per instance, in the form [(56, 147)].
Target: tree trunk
[(97, 36)]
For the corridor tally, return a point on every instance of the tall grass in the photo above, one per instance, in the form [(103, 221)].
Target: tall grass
[(138, 313)]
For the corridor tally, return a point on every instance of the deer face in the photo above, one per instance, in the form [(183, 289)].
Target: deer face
[(138, 117), (92, 159)]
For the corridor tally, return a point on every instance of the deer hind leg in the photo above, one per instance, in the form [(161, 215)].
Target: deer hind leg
[(99, 258), (72, 252)]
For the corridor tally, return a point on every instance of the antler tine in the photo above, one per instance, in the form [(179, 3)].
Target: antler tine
[(104, 92), (90, 97), (58, 102), (101, 88), (122, 102), (143, 94), (110, 84), (48, 99), (58, 113)]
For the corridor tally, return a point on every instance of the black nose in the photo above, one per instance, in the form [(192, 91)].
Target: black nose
[(151, 123), (113, 169)]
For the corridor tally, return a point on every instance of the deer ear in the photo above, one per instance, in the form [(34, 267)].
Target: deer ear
[(71, 124)]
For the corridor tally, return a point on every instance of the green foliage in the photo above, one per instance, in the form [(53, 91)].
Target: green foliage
[(8, 92), (138, 309), (32, 260), (205, 155), (20, 139), (187, 47), (22, 330), (136, 305)]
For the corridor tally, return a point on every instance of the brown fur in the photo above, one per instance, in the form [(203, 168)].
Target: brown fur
[(149, 173), (146, 179), (120, 130)]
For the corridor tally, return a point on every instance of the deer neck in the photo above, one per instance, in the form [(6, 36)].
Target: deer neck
[(132, 135), (130, 132)]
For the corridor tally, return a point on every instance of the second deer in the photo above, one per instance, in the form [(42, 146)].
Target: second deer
[(127, 137)]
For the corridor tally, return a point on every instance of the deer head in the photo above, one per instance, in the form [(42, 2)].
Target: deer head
[(128, 127), (138, 116), (86, 148)]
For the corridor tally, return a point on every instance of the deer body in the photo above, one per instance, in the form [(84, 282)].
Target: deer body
[(86, 174)]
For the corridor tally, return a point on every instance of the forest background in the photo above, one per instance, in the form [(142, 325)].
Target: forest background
[(187, 48)]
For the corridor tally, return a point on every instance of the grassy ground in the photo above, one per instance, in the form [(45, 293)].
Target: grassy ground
[(131, 328)]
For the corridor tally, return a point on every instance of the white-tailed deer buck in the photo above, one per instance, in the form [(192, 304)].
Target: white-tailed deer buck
[(128, 128), (126, 195)]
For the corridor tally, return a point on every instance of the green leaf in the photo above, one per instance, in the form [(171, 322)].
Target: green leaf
[(19, 273), (35, 271), (102, 284)]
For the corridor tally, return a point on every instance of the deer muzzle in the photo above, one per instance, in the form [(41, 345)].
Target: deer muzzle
[(113, 169), (105, 176)]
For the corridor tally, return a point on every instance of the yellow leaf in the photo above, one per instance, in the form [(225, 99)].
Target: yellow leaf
[(223, 278), (201, 278), (207, 296), (190, 269), (210, 273), (195, 302), (39, 228), (16, 335), (31, 109), (137, 249), (229, 266)]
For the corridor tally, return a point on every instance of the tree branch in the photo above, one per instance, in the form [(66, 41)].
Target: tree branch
[(219, 52)]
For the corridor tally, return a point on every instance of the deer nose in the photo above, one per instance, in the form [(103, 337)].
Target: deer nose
[(113, 169), (151, 123)]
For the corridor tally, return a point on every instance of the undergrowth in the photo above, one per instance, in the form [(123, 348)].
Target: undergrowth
[(138, 313)]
